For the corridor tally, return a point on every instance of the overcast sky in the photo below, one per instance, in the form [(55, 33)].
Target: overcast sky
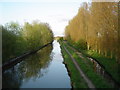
[(55, 12)]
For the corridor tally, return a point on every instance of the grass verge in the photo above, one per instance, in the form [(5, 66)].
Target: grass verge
[(111, 66), (87, 68), (76, 79)]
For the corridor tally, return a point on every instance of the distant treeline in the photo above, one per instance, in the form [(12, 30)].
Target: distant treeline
[(17, 39), (96, 27)]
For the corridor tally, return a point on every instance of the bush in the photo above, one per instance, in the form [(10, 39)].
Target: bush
[(17, 40)]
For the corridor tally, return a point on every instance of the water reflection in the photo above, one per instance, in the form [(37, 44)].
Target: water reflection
[(29, 68), (45, 69)]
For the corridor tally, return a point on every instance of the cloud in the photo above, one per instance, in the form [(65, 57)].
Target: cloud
[(56, 14), (65, 20)]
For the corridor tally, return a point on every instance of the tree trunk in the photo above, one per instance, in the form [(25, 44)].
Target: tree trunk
[(88, 47), (99, 51)]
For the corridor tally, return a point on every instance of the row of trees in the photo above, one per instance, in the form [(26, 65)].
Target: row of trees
[(96, 27), (17, 39)]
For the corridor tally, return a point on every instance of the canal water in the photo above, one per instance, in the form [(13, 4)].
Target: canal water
[(44, 69)]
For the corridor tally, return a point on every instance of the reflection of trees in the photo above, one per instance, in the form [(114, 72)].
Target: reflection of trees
[(31, 67), (11, 79)]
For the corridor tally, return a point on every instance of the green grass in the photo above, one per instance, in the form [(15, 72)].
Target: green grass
[(87, 68), (76, 79), (111, 66)]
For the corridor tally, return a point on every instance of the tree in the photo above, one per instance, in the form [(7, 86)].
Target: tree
[(97, 24)]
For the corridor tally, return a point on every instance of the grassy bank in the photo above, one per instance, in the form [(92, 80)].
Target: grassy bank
[(111, 66), (76, 79), (87, 68)]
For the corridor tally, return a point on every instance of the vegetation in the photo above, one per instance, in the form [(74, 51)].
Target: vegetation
[(96, 24), (17, 39), (88, 69), (77, 82), (95, 32), (37, 34), (105, 61)]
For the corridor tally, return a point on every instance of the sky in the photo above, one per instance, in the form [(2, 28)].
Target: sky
[(56, 13)]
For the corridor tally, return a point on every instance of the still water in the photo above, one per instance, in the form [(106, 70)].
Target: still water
[(41, 70)]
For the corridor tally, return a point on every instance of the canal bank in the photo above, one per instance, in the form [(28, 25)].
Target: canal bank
[(87, 68)]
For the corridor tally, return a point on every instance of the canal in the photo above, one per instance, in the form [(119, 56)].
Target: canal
[(44, 69)]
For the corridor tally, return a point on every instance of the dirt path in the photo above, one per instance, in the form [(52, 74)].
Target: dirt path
[(78, 53), (89, 83)]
